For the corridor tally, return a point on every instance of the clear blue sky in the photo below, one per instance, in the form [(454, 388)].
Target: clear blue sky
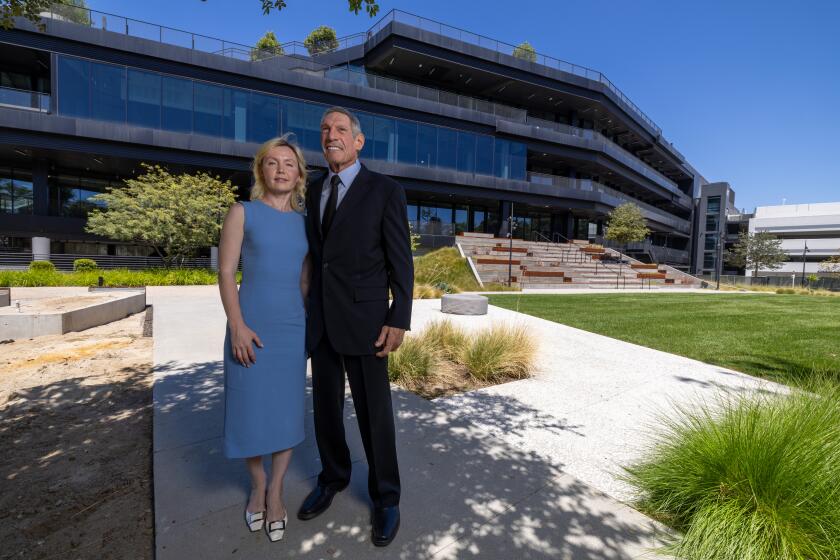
[(748, 90)]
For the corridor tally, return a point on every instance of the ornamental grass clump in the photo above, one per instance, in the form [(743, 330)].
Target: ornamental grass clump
[(414, 362), (501, 352), (756, 477), (449, 339)]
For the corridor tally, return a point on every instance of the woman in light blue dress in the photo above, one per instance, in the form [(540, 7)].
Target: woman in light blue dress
[(264, 354)]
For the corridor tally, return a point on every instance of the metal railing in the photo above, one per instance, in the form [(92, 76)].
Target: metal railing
[(595, 186), (297, 50), (611, 148), (346, 73), (20, 261), (24, 99), (501, 47)]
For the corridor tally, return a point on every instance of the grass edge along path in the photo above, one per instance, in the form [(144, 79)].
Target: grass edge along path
[(786, 338)]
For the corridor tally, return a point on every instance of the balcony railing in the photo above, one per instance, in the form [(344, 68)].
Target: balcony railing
[(508, 49), (609, 146), (296, 49), (346, 73), (24, 99), (594, 186)]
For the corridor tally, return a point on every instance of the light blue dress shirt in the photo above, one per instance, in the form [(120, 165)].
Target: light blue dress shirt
[(347, 176)]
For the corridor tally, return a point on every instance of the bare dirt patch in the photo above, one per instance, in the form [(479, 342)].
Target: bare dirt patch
[(75, 431)]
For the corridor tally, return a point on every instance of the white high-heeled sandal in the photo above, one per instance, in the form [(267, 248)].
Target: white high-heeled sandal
[(254, 520), (276, 529)]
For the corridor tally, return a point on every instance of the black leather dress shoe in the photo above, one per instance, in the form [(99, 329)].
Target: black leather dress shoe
[(318, 501), (386, 523)]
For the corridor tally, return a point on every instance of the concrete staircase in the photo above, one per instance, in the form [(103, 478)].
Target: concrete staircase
[(536, 264)]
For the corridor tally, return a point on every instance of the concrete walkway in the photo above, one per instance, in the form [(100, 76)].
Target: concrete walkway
[(473, 486)]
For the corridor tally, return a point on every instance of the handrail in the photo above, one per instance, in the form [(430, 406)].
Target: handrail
[(508, 49)]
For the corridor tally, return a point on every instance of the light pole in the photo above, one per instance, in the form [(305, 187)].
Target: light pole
[(510, 246), (719, 257), (804, 251)]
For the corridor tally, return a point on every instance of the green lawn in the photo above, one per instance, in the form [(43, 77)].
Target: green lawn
[(786, 338)]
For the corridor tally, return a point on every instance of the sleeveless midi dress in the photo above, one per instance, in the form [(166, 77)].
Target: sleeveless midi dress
[(264, 403)]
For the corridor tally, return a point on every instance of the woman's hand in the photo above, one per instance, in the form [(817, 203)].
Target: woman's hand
[(242, 340)]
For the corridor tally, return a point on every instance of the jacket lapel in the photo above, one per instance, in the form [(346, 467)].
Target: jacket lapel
[(313, 194), (355, 193)]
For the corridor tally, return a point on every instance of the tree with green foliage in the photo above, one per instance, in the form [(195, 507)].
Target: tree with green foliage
[(174, 214), (831, 265), (70, 10), (32, 9), (756, 250), (625, 224), (525, 52), (266, 47), (322, 39)]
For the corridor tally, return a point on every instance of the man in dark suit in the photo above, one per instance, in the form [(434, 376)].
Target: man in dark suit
[(360, 248)]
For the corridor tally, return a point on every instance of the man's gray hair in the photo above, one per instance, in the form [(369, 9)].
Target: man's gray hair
[(355, 125)]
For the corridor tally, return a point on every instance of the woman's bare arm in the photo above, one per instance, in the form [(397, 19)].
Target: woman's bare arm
[(230, 247)]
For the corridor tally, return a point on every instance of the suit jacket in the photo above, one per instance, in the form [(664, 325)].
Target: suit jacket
[(366, 253)]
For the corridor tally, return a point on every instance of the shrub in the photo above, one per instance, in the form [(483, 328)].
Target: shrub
[(41, 266), (414, 361), (449, 339), (84, 265), (755, 477), (425, 291), (500, 352)]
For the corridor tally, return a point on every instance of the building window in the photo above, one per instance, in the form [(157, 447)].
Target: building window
[(709, 261), (209, 103), (72, 196), (713, 205), (407, 142), (462, 214), (466, 152), (107, 92), (263, 118), (436, 219), (143, 99), (710, 242), (15, 191)]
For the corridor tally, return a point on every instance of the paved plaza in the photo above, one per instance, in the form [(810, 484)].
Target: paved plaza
[(525, 469)]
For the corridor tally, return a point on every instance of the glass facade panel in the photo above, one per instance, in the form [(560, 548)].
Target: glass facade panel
[(143, 99), (427, 137), (462, 214), (209, 101), (74, 87), (712, 222), (71, 195), (447, 148), (117, 93), (478, 220), (234, 114), (304, 120), (15, 191), (6, 206), (366, 122), (384, 141), (709, 261), (518, 161), (263, 117), (177, 104), (713, 205), (407, 142), (107, 92), (466, 152), (710, 241), (436, 219), (484, 155)]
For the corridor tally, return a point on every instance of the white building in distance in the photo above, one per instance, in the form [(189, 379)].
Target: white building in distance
[(816, 226)]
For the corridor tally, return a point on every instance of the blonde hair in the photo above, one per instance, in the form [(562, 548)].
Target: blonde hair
[(299, 192)]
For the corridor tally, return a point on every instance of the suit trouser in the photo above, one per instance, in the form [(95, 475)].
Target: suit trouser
[(368, 377)]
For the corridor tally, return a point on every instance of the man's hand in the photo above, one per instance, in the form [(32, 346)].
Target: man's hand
[(389, 339)]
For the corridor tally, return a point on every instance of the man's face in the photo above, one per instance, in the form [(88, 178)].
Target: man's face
[(340, 148)]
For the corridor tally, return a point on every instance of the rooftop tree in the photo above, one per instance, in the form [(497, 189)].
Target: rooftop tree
[(525, 51), (266, 47), (322, 39)]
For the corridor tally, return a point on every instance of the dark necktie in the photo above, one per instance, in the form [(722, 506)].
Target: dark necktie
[(332, 203)]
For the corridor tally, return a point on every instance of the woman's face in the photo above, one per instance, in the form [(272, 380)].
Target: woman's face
[(280, 170)]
